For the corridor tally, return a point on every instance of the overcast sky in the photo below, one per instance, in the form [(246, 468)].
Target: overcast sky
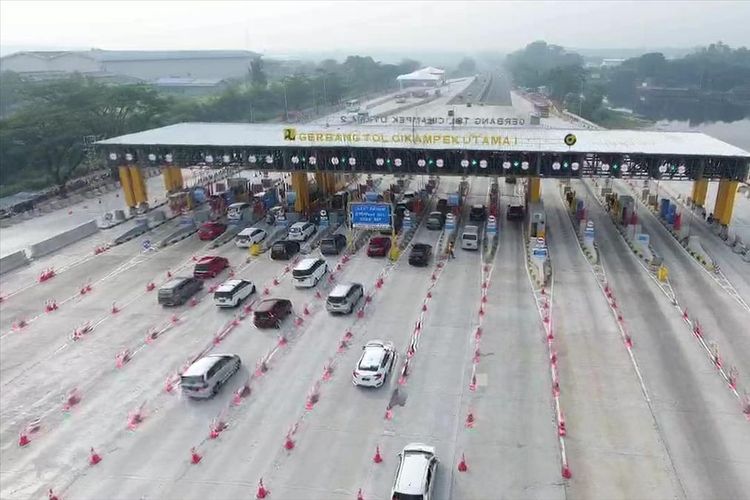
[(298, 27)]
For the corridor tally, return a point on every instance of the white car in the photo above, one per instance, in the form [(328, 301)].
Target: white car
[(300, 231), (376, 362), (232, 292), (249, 236), (416, 471)]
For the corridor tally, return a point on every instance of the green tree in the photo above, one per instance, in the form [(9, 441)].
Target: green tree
[(467, 66), (257, 75)]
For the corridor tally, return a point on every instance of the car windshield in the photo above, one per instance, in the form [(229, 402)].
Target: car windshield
[(295, 230), (336, 300)]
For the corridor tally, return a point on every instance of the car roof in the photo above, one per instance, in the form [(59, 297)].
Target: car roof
[(203, 365), (414, 464), (174, 282), (248, 231), (306, 264), (341, 290), (436, 212), (207, 258), (421, 246), (479, 205), (266, 305), (229, 285), (299, 224), (239, 204)]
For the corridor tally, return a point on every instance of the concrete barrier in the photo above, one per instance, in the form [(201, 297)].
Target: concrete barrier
[(13, 261), (63, 239)]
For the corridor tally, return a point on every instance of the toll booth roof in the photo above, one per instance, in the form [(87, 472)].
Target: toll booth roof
[(250, 135)]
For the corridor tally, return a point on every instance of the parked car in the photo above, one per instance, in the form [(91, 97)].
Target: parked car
[(211, 230), (477, 213), (210, 266), (333, 245), (284, 249), (206, 376), (420, 254), (178, 290), (378, 246), (415, 475), (249, 236), (376, 362), (436, 220), (271, 312), (308, 272), (301, 231), (232, 292), (344, 297)]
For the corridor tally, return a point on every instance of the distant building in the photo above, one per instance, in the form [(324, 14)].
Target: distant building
[(137, 65), (611, 63), (191, 86), (425, 77)]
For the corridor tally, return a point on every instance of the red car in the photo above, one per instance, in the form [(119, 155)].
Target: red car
[(210, 266), (211, 230), (378, 246)]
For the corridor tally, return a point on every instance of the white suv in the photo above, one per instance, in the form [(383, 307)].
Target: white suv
[(415, 476), (232, 292), (300, 231), (308, 272), (375, 364)]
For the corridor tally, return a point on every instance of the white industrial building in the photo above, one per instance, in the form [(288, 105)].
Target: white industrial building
[(425, 77), (142, 65)]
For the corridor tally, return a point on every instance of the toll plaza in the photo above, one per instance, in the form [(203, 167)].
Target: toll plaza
[(521, 152)]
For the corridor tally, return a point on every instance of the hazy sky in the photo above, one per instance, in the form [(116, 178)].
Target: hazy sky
[(297, 27)]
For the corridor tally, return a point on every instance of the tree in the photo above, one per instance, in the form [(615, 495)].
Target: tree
[(467, 66), (257, 76), (408, 66)]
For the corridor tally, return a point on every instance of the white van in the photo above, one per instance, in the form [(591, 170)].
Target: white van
[(249, 236), (232, 292), (205, 377), (300, 231), (308, 272), (470, 238)]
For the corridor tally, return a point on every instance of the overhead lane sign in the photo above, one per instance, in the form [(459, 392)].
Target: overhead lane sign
[(371, 215)]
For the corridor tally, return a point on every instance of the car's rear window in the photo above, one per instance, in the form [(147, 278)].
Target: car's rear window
[(223, 295), (470, 237), (201, 267), (192, 380)]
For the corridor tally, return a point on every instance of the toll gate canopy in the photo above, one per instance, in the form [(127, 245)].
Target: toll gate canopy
[(436, 151)]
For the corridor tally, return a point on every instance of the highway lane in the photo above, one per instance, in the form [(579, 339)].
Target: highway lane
[(610, 432), (698, 419)]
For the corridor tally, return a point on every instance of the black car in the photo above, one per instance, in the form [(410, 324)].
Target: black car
[(333, 245), (420, 254), (515, 212), (477, 213), (442, 206), (284, 249)]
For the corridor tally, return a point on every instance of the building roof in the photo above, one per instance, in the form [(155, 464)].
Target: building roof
[(139, 55), (428, 73), (187, 82), (434, 138)]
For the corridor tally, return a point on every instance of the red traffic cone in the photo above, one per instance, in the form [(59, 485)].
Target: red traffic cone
[(389, 413), (262, 491), (289, 443), (429, 295), (377, 458), (462, 467), (360, 496), (94, 457), (23, 439), (195, 457), (473, 384), (306, 311), (361, 313), (51, 495), (566, 472), (470, 420), (424, 307), (150, 287), (478, 333), (282, 341), (115, 309), (169, 274), (561, 430)]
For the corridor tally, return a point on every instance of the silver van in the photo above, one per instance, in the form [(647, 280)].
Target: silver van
[(470, 238), (204, 378), (178, 290), (344, 297)]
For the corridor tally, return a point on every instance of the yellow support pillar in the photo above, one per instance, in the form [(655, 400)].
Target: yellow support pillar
[(167, 178), (721, 194), (127, 186), (301, 187), (177, 180), (700, 188), (320, 180), (535, 189), (728, 203), (139, 185), (332, 184)]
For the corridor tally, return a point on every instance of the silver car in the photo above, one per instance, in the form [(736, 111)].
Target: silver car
[(204, 378)]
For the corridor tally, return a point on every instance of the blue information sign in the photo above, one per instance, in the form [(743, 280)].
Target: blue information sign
[(371, 215)]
